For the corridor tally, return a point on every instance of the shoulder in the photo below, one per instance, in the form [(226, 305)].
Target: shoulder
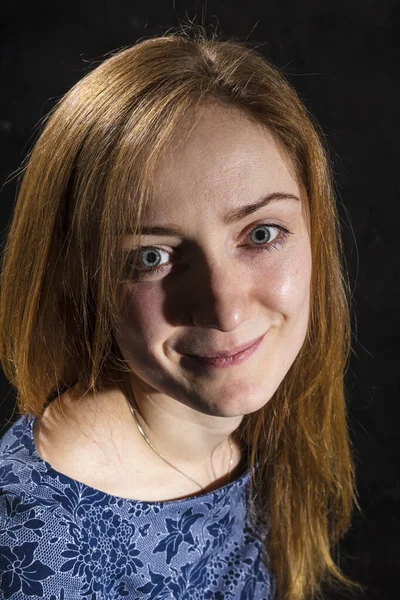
[(15, 455), (41, 534), (23, 528), (21, 471)]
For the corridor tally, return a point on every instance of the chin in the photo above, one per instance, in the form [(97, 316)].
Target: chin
[(238, 405)]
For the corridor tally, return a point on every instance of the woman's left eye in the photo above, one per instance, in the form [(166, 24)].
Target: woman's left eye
[(261, 237), (264, 232)]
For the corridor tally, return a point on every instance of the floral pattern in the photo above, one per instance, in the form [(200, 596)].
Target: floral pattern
[(61, 539)]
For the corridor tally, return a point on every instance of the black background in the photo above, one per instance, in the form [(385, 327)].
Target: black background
[(342, 58)]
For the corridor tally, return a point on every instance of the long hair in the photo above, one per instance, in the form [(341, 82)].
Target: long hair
[(87, 180)]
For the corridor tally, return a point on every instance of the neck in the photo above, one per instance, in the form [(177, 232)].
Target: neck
[(199, 445)]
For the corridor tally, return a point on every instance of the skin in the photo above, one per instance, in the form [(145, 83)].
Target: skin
[(219, 292)]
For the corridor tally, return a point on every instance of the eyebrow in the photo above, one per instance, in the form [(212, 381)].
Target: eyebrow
[(232, 216)]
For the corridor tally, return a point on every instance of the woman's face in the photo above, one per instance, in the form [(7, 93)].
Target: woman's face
[(226, 281)]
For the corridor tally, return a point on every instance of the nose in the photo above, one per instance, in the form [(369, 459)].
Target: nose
[(221, 296)]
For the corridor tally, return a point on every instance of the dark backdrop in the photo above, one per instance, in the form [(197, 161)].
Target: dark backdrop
[(343, 58)]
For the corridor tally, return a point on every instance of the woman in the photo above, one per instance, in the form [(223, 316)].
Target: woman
[(172, 285)]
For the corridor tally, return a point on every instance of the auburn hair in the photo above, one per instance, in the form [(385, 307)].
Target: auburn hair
[(87, 180)]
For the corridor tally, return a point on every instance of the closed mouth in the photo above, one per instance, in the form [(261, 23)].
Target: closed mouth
[(230, 353)]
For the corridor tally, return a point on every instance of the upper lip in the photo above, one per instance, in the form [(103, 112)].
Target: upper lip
[(226, 353)]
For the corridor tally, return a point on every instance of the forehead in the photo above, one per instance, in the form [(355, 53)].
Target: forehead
[(223, 160)]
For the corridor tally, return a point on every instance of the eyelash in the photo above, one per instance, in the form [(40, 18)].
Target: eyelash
[(272, 246)]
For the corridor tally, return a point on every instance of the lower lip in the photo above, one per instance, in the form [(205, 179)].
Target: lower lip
[(228, 361)]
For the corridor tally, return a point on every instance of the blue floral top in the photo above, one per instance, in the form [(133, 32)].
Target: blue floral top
[(62, 540)]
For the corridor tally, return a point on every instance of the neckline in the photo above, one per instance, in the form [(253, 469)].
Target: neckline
[(211, 496)]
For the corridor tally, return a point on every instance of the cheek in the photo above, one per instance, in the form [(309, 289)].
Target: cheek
[(286, 287), (142, 321), (289, 299)]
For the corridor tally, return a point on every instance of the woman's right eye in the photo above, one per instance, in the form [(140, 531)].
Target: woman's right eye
[(152, 256)]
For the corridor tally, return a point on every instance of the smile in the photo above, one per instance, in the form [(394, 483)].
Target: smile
[(226, 361)]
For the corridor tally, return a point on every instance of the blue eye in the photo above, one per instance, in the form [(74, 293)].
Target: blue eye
[(151, 255), (261, 239), (262, 231)]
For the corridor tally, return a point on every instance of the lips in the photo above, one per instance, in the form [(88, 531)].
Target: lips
[(202, 365), (227, 353)]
